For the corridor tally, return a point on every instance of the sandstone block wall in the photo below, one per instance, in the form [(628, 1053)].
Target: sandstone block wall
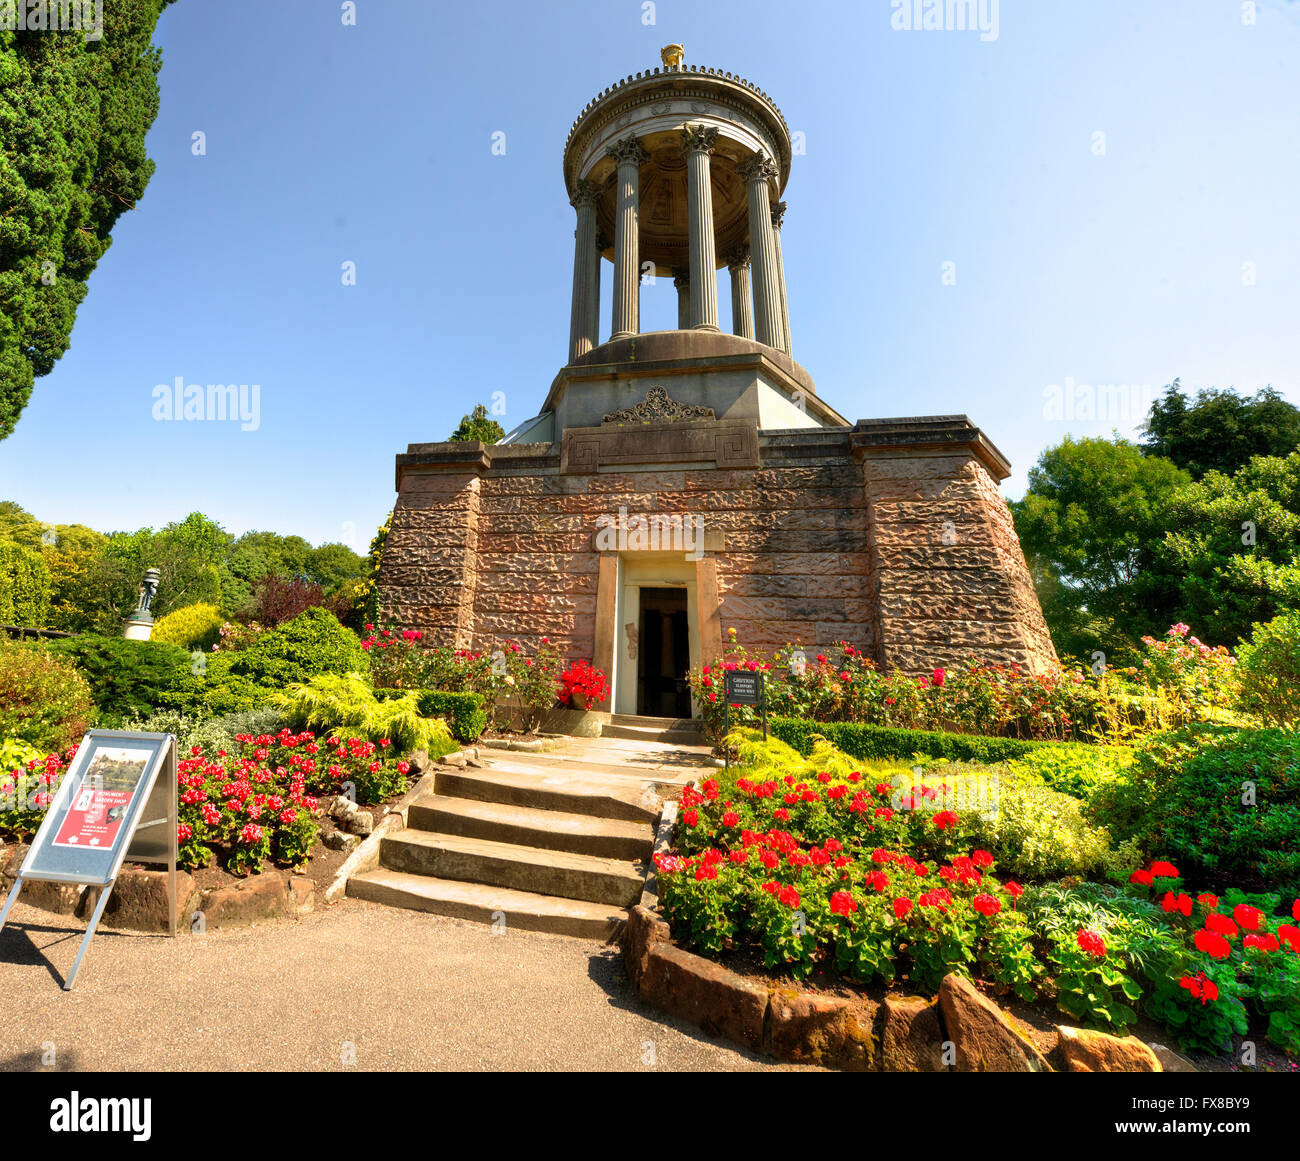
[(909, 554)]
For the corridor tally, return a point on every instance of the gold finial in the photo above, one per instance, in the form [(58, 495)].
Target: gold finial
[(673, 55)]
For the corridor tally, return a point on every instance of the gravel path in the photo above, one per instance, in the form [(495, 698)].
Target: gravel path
[(408, 991)]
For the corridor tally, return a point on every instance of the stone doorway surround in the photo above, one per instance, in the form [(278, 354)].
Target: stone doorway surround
[(618, 614)]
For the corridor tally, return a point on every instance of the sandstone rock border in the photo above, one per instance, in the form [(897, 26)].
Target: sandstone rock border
[(959, 1031)]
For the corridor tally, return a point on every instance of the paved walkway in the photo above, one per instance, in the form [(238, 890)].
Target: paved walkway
[(410, 991)]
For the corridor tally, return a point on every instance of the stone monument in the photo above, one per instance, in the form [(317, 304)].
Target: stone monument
[(677, 484)]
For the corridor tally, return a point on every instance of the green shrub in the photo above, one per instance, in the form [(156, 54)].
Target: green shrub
[(312, 643), (860, 740), (24, 587), (465, 712), (346, 703), (44, 701), (1039, 833), (193, 627), (1074, 770), (211, 734), (1216, 800), (131, 678), (1269, 670), (222, 692), (14, 752)]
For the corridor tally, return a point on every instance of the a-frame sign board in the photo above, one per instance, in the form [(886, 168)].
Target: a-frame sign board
[(116, 801)]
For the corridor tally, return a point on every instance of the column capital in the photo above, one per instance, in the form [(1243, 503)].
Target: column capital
[(758, 169), (603, 242), (628, 151), (737, 259), (585, 193), (778, 215), (681, 278), (699, 138)]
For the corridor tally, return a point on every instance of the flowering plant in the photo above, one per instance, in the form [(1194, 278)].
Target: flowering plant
[(589, 684)]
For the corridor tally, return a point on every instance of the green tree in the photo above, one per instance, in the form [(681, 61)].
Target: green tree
[(74, 115), (1219, 431), (480, 426), (1232, 549), (1088, 523)]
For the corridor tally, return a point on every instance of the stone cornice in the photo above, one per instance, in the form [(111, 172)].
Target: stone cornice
[(930, 433), (701, 86)]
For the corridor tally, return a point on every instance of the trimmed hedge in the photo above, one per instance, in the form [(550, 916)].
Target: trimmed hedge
[(862, 741), (193, 627), (131, 678), (24, 587), (465, 712), (312, 643)]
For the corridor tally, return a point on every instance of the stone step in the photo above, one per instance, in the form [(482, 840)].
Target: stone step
[(562, 789), (482, 903), (651, 734), (551, 830), (634, 775), (544, 872), (655, 723)]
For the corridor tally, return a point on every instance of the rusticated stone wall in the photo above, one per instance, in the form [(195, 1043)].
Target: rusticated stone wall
[(894, 540)]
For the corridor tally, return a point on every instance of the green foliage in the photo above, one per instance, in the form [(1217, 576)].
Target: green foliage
[(24, 587), (14, 752), (75, 115), (860, 740), (131, 678), (211, 734), (1220, 430), (312, 643), (196, 626), (1221, 802), (345, 702), (1269, 670), (1233, 549), (464, 712), (1038, 833), (44, 701), (1073, 770), (1087, 523), (478, 425)]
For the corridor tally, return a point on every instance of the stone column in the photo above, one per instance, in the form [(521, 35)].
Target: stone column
[(586, 273), (627, 250), (742, 314), (682, 280), (698, 142), (757, 173), (778, 216)]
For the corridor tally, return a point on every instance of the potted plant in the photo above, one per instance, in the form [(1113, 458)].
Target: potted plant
[(582, 685)]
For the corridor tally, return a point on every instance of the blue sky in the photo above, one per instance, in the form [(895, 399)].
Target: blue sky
[(1123, 265)]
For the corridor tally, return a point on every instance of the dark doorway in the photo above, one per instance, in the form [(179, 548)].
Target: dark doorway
[(664, 655)]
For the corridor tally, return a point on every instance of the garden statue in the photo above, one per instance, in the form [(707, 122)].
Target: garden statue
[(139, 625)]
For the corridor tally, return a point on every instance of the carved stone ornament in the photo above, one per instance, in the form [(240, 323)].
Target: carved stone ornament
[(758, 168), (657, 406), (585, 193), (628, 150), (699, 139)]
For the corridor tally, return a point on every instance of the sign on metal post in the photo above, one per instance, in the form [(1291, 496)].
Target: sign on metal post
[(116, 800), (742, 687)]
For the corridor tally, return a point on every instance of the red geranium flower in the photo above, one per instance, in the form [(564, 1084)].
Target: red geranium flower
[(842, 903), (986, 904), (1215, 946), (1248, 917), (1164, 871), (1142, 877), (1220, 925), (1091, 942), (901, 907)]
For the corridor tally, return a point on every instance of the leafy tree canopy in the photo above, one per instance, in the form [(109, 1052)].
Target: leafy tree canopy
[(1219, 431), (74, 115), (480, 426), (1087, 523)]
